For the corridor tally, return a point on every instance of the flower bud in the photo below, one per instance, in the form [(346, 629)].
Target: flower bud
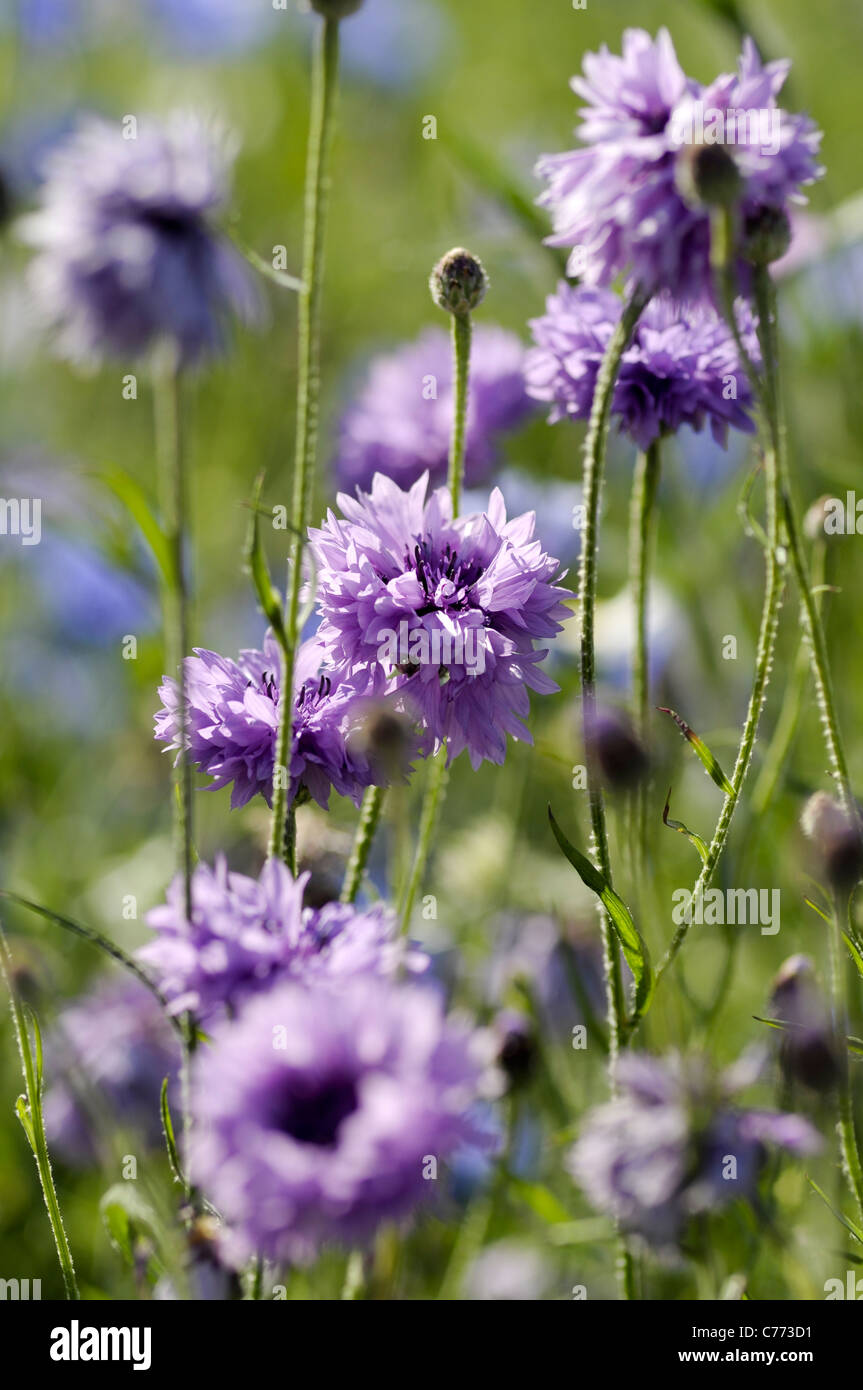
[(616, 749), (808, 1051), (836, 838), (458, 282), (385, 736), (766, 236), (334, 9), (517, 1049), (814, 521), (707, 176)]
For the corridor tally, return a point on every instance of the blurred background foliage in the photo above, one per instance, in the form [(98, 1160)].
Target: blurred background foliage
[(84, 810)]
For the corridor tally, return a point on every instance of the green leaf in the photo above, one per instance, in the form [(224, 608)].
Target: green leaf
[(540, 1199), (37, 1039), (696, 840), (96, 939), (256, 565), (855, 954), (168, 1131), (849, 1225), (702, 750), (633, 944), (134, 499), (815, 908), (266, 268), (128, 1218), (26, 1123)]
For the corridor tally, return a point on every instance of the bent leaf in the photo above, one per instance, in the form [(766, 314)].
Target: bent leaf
[(702, 750), (696, 840)]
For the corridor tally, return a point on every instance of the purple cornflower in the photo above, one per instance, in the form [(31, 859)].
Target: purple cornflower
[(111, 1049), (247, 933), (673, 1143), (128, 255), (319, 1118), (400, 423), (233, 718), (681, 368), (616, 201), (446, 611)]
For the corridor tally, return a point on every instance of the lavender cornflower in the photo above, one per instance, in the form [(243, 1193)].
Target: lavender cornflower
[(233, 718), (115, 1047), (318, 1119), (681, 368), (617, 200), (446, 611), (128, 254), (246, 933), (400, 422), (673, 1143)]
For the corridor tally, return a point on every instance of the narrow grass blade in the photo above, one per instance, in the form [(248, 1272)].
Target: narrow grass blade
[(696, 840), (848, 1224), (703, 752), (633, 944), (134, 499)]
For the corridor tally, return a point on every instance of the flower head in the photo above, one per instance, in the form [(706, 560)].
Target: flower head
[(115, 1044), (673, 1143), (400, 422), (617, 201), (444, 611), (246, 933), (681, 368), (316, 1119), (233, 720), (128, 254)]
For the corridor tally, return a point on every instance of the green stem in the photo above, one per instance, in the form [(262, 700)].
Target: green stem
[(324, 89), (594, 461), (172, 486), (461, 340), (813, 627), (846, 1129), (370, 815), (33, 1122), (766, 392), (789, 715), (434, 793), (644, 489)]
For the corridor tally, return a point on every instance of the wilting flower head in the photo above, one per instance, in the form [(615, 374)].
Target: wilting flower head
[(616, 200), (128, 255), (245, 933), (673, 1143), (116, 1046), (446, 611), (316, 1119), (400, 423), (233, 719), (681, 368)]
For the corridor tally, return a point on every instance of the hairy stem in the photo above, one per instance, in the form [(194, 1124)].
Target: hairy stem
[(461, 340), (644, 489), (370, 815), (845, 1127), (324, 88), (434, 794)]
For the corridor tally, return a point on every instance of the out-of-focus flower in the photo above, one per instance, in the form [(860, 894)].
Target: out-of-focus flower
[(246, 933), (617, 201), (233, 720), (619, 754), (808, 1050), (681, 368), (112, 1048), (128, 254), (316, 1118), (674, 1143), (508, 1271), (401, 421), (443, 611)]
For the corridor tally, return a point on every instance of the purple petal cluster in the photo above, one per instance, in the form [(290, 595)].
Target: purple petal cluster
[(444, 611), (681, 368), (247, 934), (114, 1047), (233, 720), (616, 201), (401, 420), (128, 254), (659, 1152), (317, 1119)]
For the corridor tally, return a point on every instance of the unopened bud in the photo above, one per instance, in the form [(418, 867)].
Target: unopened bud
[(384, 736), (334, 9), (837, 839), (617, 750), (808, 1052), (766, 236), (458, 282), (517, 1050), (707, 176)]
